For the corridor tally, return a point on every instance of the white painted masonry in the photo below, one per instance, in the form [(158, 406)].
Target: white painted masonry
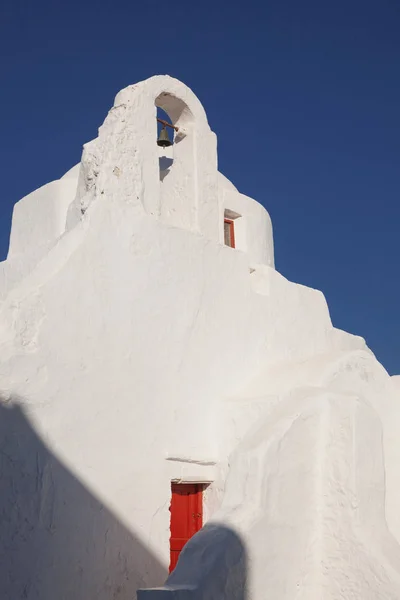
[(137, 349)]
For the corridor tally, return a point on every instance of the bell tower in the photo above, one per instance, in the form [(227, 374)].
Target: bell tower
[(123, 163)]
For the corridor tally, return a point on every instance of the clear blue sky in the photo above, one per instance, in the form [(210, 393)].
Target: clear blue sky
[(303, 95)]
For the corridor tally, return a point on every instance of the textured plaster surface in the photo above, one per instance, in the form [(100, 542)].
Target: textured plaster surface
[(136, 349)]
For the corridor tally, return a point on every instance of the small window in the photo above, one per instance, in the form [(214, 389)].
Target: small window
[(229, 232)]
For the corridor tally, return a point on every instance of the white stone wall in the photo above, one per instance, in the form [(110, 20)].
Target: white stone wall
[(252, 225), (137, 349), (39, 220)]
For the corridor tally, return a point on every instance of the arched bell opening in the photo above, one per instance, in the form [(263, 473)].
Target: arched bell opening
[(173, 122), (176, 158), (165, 142), (177, 111)]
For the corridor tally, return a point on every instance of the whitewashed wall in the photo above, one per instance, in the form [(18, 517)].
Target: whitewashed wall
[(139, 349)]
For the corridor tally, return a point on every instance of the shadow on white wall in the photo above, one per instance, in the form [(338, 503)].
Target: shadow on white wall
[(57, 539)]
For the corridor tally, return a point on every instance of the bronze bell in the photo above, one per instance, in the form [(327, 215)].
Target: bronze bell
[(163, 138)]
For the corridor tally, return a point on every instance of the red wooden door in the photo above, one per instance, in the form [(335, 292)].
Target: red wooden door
[(186, 516)]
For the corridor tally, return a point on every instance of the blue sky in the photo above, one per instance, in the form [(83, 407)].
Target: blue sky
[(305, 100)]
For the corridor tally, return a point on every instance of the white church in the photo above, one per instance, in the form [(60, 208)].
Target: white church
[(169, 402)]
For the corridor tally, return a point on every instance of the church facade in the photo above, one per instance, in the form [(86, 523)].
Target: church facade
[(158, 375)]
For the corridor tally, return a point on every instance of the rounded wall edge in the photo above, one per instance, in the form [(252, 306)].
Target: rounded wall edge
[(253, 226), (157, 85), (39, 218)]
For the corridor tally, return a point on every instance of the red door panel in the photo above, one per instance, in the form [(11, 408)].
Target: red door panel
[(186, 516)]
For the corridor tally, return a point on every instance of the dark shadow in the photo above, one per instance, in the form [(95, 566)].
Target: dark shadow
[(179, 137), (212, 566), (57, 540), (164, 163)]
